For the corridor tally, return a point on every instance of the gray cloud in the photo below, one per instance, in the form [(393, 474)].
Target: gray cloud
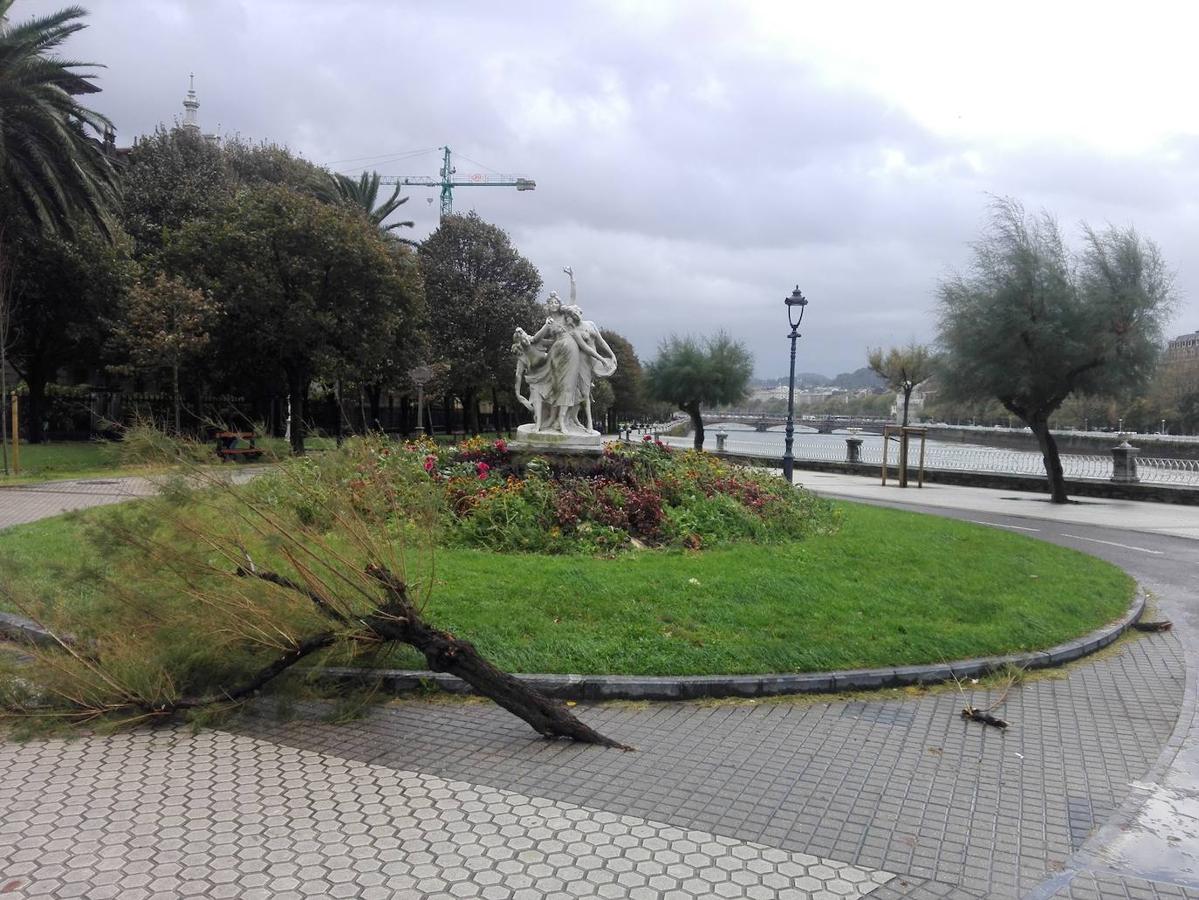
[(691, 178)]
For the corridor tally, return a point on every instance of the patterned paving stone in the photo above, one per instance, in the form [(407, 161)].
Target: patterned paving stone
[(1096, 886), (902, 786), (28, 503), (176, 814)]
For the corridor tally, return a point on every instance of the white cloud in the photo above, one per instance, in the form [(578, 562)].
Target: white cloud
[(695, 160)]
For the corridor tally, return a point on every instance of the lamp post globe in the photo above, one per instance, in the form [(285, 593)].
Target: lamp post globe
[(796, 300)]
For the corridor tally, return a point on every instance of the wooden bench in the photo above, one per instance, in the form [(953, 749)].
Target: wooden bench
[(237, 446)]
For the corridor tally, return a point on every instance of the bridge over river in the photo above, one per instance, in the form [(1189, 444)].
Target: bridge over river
[(823, 424)]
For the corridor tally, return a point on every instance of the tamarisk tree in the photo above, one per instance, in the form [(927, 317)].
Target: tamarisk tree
[(210, 595), (690, 374), (1032, 322)]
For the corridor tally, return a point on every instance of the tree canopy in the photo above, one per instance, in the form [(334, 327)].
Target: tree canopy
[(691, 373), (303, 285), (902, 368), (628, 381), (164, 324), (63, 290), (1032, 322), (478, 290), (172, 177)]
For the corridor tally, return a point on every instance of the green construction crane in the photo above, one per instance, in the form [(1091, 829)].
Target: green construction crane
[(447, 182)]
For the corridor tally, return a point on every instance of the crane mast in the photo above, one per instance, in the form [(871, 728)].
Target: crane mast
[(447, 182)]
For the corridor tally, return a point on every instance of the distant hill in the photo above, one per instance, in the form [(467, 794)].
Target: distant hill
[(859, 378)]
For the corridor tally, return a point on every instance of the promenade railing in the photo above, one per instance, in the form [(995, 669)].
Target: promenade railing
[(1149, 469)]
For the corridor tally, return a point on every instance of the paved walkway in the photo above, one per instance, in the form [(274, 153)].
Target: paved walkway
[(1084, 797)]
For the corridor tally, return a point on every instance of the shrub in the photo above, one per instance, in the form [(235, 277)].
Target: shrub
[(635, 495)]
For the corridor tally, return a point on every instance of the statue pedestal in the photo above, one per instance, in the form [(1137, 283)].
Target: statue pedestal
[(528, 438)]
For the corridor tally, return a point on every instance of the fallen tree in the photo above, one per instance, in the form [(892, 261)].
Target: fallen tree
[(214, 592)]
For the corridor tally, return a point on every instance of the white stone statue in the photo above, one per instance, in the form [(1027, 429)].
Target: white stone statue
[(560, 363)]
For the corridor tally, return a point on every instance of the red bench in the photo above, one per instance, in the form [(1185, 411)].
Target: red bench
[(237, 445)]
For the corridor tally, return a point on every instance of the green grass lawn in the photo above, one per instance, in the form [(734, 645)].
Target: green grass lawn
[(890, 588), (82, 459), (41, 462)]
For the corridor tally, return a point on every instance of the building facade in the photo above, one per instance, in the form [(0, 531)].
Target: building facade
[(1182, 348)]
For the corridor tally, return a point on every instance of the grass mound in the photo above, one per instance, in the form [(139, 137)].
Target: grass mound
[(784, 583)]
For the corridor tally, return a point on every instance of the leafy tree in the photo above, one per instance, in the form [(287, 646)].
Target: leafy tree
[(51, 168), (172, 177), (407, 344), (1032, 322), (479, 290), (364, 194), (691, 374), (628, 381), (902, 368), (63, 290), (306, 287), (264, 163), (165, 324), (54, 173), (1174, 396)]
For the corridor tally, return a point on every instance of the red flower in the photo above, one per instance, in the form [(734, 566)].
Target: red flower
[(501, 445), (482, 468), (430, 463)]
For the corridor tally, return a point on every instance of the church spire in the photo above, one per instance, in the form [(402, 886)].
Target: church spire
[(190, 105)]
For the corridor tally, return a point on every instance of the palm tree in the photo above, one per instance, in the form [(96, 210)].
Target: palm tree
[(365, 193), (51, 167)]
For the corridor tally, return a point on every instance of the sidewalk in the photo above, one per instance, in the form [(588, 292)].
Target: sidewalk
[(835, 798), (1129, 515)]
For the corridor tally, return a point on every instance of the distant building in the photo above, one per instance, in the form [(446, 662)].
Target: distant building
[(921, 394), (1182, 348), (191, 106)]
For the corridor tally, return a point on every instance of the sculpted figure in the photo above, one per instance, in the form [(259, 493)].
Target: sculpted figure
[(560, 363)]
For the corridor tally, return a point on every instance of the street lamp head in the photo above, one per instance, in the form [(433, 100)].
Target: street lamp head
[(796, 299)]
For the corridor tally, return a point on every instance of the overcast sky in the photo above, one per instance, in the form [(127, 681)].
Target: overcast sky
[(694, 161)]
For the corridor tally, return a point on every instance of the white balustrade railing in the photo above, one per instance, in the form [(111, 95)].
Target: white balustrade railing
[(1150, 470), (1157, 470)]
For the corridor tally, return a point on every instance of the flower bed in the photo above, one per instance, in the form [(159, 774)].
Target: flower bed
[(632, 495)]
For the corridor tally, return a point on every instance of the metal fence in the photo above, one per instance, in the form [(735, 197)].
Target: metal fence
[(1151, 470)]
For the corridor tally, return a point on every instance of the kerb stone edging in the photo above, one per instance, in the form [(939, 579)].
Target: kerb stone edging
[(695, 687)]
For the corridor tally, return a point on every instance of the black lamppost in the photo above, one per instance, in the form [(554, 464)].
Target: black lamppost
[(796, 299)]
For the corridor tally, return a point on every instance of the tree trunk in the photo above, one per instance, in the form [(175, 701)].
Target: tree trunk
[(697, 424), (399, 620), (296, 378), (337, 436), (470, 413), (35, 404), (175, 396), (1053, 462), (907, 398), (374, 397)]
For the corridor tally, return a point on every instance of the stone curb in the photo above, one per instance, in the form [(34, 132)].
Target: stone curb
[(24, 631), (695, 687)]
